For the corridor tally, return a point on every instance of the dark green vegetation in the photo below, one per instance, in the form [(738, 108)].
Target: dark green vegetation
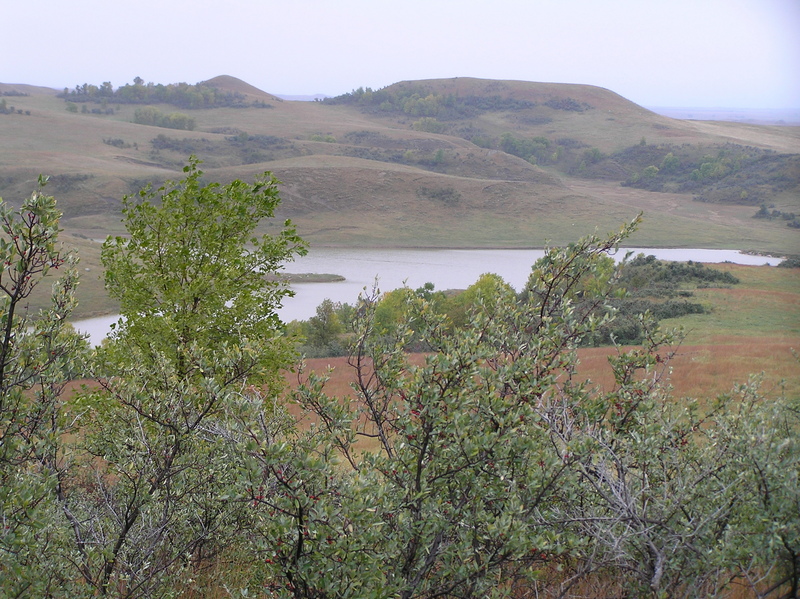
[(6, 108), (447, 163), (487, 467), (183, 95), (791, 217), (734, 174), (156, 118), (643, 285)]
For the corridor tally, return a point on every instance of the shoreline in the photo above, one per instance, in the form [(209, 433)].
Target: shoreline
[(336, 246)]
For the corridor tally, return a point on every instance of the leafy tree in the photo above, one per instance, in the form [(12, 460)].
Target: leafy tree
[(39, 353), (489, 465), (149, 115), (324, 327), (765, 539), (650, 172), (198, 330), (484, 467), (657, 487), (390, 311), (593, 155), (483, 294), (429, 125), (458, 494), (671, 163)]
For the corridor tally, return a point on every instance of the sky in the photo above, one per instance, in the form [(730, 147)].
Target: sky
[(657, 53)]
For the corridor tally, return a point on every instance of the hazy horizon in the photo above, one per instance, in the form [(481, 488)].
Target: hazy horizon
[(321, 95), (683, 53)]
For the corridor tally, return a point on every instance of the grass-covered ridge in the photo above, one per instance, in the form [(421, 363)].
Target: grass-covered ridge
[(440, 163)]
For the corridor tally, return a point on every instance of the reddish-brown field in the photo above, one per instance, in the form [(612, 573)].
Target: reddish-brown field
[(700, 371)]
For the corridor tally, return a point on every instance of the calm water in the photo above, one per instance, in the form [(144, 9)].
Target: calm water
[(446, 269)]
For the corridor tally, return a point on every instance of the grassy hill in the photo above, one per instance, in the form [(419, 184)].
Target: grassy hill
[(458, 162)]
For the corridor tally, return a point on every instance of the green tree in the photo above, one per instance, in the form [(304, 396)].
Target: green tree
[(429, 125), (489, 463), (671, 163), (148, 115), (324, 327), (657, 483), (458, 494), (593, 155), (39, 353), (390, 311), (650, 172), (198, 333), (764, 540), (483, 294)]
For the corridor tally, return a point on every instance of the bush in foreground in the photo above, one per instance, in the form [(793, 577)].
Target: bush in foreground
[(485, 468)]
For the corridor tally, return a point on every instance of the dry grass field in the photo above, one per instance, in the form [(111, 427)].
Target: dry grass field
[(701, 371), (753, 328)]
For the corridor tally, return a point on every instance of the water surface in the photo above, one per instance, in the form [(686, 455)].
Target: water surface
[(446, 269)]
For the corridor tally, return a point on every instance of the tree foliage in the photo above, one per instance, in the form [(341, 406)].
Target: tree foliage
[(184, 95), (154, 117), (39, 354), (422, 101), (198, 327), (126, 490), (487, 466)]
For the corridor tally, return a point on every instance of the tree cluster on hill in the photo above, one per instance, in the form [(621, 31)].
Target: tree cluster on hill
[(6, 108), (423, 102), (149, 115), (730, 174), (183, 95), (791, 217), (488, 467)]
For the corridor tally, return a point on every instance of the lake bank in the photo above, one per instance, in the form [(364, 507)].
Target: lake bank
[(357, 270)]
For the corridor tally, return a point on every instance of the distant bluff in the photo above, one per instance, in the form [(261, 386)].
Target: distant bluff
[(565, 95), (227, 83)]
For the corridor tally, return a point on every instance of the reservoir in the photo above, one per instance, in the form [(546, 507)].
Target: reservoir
[(446, 269)]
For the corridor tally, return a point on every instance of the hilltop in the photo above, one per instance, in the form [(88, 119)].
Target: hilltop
[(234, 85), (456, 162)]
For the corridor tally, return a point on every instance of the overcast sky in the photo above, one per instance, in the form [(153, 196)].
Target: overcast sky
[(668, 53)]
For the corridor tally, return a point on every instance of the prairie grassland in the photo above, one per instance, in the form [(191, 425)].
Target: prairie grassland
[(701, 371), (753, 328), (503, 201), (765, 304), (707, 371)]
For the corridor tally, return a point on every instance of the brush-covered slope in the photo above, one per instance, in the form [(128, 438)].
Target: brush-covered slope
[(455, 162)]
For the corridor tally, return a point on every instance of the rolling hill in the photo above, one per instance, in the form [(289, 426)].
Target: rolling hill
[(458, 162)]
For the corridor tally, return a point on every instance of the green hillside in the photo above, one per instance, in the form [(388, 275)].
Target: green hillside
[(458, 162)]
